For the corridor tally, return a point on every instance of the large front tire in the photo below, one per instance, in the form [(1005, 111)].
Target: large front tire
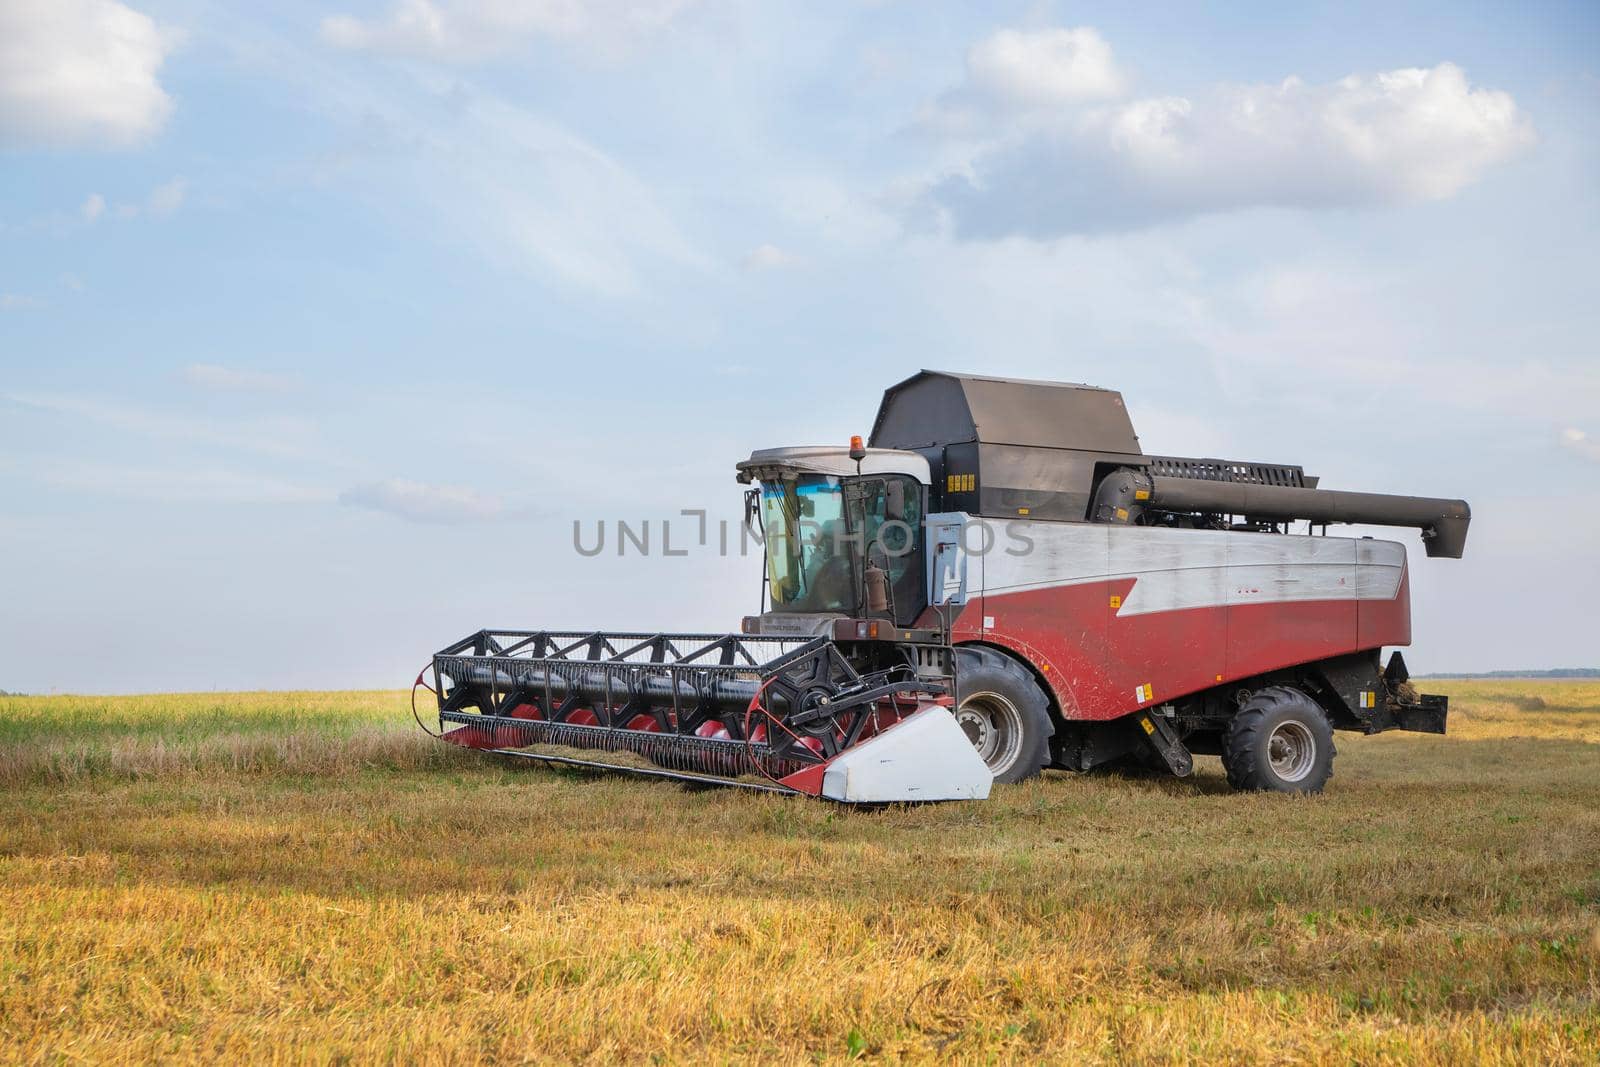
[(1280, 741), (1003, 712)]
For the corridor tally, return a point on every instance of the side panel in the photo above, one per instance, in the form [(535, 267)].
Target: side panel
[(1120, 617), (924, 756), (1046, 597), (1290, 599), (1384, 612), (1169, 635)]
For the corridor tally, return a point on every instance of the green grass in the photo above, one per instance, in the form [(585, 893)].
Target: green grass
[(305, 877)]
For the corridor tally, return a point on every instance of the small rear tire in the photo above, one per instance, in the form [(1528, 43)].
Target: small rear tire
[(1003, 712), (1280, 741)]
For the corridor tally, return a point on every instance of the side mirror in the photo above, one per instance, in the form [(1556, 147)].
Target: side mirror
[(752, 512)]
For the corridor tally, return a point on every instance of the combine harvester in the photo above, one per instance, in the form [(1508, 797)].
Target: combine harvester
[(1002, 582)]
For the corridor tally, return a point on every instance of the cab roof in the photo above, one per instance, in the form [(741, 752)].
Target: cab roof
[(832, 460)]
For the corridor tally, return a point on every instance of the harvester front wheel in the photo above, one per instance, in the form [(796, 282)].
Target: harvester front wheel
[(1003, 713), (1280, 741)]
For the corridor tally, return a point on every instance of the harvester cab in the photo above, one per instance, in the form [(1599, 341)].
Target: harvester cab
[(1000, 580), (843, 536)]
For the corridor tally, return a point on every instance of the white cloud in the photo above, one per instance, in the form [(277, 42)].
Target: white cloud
[(283, 436), (162, 201), (833, 209), (235, 379), (1041, 68), (206, 484), (167, 198), (1015, 74), (1580, 444), (80, 72), (1400, 136), (767, 257), (561, 202), (18, 302), (1332, 330), (422, 502), (520, 188), (464, 30)]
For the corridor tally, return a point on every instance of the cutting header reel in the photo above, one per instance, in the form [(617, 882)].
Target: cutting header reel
[(786, 714)]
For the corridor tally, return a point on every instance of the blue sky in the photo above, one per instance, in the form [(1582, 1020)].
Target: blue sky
[(319, 328)]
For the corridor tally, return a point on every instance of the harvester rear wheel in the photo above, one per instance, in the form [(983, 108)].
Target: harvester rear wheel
[(1280, 741), (1003, 713)]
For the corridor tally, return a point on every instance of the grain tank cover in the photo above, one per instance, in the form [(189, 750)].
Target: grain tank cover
[(935, 407), (1008, 446)]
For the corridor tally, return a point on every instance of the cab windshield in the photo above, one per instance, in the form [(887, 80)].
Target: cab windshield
[(821, 531)]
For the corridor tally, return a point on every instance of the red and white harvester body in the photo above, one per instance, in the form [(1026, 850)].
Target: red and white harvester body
[(1002, 582)]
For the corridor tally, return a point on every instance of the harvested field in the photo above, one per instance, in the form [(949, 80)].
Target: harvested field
[(306, 877)]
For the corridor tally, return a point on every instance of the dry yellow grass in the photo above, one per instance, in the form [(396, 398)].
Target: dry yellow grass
[(293, 877), (63, 738)]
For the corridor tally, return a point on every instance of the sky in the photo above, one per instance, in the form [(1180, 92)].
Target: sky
[(320, 327)]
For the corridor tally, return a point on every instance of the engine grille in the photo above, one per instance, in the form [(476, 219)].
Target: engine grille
[(1230, 470)]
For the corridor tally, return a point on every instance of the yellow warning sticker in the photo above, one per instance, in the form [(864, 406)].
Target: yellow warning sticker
[(1149, 727), (1116, 602), (1369, 698), (1141, 494), (1122, 513), (1143, 693)]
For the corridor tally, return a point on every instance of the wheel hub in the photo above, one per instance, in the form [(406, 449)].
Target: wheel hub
[(976, 727), (1292, 751), (994, 726)]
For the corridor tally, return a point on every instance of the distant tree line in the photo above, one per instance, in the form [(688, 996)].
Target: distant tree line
[(1556, 672)]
